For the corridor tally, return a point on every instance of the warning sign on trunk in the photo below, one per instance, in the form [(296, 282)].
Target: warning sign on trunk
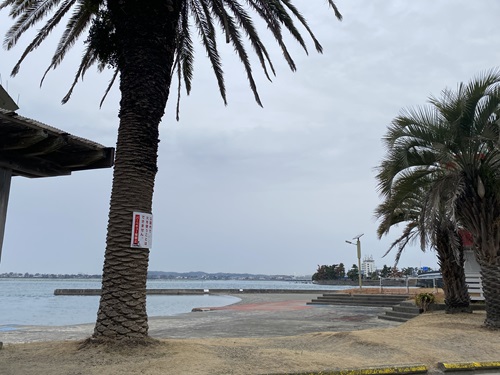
[(142, 230)]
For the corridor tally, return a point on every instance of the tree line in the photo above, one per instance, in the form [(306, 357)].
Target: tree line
[(338, 272)]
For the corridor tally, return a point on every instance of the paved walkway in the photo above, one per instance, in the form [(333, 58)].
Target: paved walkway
[(256, 315)]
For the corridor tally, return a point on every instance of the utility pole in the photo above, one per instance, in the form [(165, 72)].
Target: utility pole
[(358, 248)]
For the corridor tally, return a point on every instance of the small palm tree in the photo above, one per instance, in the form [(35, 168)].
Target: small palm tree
[(402, 206), (146, 43), (450, 149)]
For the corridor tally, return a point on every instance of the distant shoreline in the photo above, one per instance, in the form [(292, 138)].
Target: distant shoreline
[(232, 292), (160, 275), (217, 277)]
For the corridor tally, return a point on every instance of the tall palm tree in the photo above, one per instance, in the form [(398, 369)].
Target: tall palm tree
[(146, 43), (402, 206), (451, 150)]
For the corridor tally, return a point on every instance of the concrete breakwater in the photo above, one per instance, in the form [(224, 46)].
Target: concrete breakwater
[(97, 292)]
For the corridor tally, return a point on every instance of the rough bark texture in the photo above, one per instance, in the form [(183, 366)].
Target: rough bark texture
[(490, 278), (481, 217), (457, 299), (146, 34)]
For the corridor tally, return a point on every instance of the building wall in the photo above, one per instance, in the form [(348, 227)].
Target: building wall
[(368, 266), (473, 276)]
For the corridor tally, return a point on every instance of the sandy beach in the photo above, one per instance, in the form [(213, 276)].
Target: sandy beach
[(263, 334)]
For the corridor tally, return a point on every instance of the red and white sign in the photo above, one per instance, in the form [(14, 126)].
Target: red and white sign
[(142, 230)]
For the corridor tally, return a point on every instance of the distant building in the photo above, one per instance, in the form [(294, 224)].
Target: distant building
[(368, 266)]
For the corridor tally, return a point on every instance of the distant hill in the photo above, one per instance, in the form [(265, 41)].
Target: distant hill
[(197, 275)]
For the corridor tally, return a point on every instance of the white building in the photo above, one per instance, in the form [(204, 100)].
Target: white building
[(368, 266), (473, 275), (472, 268)]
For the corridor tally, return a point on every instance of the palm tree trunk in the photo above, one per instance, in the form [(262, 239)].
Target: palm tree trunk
[(490, 278), (457, 299), (481, 220), (451, 262), (146, 48)]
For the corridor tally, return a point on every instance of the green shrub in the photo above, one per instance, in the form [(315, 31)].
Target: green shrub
[(424, 300)]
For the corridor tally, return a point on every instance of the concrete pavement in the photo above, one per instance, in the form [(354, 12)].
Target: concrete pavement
[(263, 315), (256, 315)]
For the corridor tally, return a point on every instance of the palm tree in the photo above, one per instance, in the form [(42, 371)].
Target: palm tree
[(450, 150), (403, 206), (146, 43)]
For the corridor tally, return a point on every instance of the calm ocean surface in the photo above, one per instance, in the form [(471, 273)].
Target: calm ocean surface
[(32, 301)]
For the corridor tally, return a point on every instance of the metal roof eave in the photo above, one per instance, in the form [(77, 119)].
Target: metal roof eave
[(33, 149)]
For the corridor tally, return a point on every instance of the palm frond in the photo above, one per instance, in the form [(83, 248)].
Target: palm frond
[(407, 237), (204, 23), (280, 13), (235, 37), (19, 7), (235, 21), (77, 24), (335, 10), (10, 3), (42, 34), (110, 85), (28, 14), (185, 55), (244, 19), (264, 10), (179, 87), (89, 58), (302, 20)]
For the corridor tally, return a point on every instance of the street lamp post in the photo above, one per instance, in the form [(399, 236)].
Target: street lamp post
[(358, 247)]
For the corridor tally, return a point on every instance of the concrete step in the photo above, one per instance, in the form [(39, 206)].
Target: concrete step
[(399, 314), (350, 303), (375, 300), (392, 318), (402, 312), (397, 297), (354, 302), (406, 309), (357, 299)]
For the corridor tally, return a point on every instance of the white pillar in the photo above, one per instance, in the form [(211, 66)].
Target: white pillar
[(5, 177)]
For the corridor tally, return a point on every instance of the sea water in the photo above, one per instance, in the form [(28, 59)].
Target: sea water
[(26, 301)]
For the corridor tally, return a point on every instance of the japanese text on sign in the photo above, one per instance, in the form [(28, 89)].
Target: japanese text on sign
[(142, 230)]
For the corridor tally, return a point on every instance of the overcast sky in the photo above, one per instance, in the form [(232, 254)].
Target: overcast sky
[(273, 190)]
